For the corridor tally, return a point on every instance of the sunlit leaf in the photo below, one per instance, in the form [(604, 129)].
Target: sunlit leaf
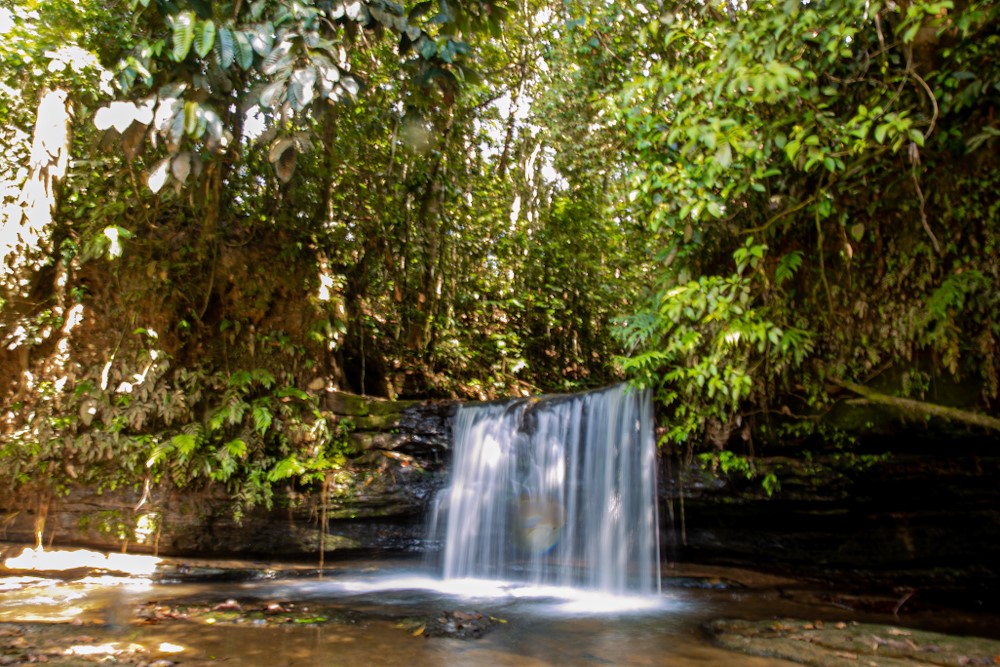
[(183, 34), (301, 87), (284, 167), (180, 166), (204, 37), (277, 59), (158, 175), (271, 95), (350, 84)]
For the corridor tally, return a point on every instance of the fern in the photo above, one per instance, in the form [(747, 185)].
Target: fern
[(787, 266), (262, 419)]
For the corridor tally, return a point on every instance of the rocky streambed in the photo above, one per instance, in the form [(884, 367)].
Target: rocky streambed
[(396, 612)]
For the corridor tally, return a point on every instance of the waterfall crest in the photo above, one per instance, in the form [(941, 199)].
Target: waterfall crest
[(556, 490)]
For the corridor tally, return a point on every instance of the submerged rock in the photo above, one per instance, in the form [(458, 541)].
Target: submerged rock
[(459, 625)]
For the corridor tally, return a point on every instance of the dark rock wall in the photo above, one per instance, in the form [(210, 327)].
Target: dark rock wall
[(377, 501), (917, 514)]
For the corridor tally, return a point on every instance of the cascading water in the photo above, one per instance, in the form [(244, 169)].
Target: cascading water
[(555, 491)]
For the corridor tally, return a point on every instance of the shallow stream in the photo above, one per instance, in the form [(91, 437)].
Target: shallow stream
[(393, 613)]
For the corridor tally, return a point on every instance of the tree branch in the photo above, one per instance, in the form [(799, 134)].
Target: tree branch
[(920, 408)]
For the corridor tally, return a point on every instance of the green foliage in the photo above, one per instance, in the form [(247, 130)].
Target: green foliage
[(438, 200), (190, 64), (138, 421), (255, 431), (698, 343), (802, 142)]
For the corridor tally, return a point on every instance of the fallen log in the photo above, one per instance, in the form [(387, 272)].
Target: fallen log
[(919, 408)]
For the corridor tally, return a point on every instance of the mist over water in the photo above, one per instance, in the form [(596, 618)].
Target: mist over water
[(557, 491)]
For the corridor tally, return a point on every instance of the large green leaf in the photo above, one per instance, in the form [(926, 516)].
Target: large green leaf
[(204, 38), (244, 50), (225, 47), (183, 34)]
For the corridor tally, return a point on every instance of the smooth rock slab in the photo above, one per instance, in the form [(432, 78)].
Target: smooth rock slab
[(850, 644)]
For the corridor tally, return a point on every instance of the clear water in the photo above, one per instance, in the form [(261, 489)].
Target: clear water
[(373, 610), (558, 492), (374, 606)]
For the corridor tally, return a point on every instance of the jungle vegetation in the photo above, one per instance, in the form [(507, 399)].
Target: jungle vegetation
[(213, 212)]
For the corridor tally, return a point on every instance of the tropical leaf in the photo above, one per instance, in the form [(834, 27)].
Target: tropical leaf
[(285, 166), (286, 468), (184, 442), (204, 38), (350, 84), (261, 419), (244, 50), (277, 59), (302, 87), (180, 166), (787, 266), (271, 95), (191, 118), (262, 38), (279, 147), (158, 175), (225, 47), (236, 448), (216, 131), (133, 140), (263, 376), (283, 155), (183, 34)]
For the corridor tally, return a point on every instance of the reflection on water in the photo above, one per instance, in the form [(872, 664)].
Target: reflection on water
[(373, 613)]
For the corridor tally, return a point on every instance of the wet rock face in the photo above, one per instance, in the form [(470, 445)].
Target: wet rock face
[(377, 502), (926, 518)]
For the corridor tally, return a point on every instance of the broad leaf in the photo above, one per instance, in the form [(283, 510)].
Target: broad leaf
[(301, 87), (180, 166), (183, 34), (285, 166), (204, 38), (279, 147), (278, 59), (158, 175), (244, 50), (271, 95), (262, 38), (225, 47)]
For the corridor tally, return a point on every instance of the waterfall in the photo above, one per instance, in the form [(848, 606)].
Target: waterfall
[(556, 490)]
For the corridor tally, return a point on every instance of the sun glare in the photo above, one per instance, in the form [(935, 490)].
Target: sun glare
[(71, 559)]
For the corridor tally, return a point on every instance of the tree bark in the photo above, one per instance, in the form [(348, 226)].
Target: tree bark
[(920, 408)]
